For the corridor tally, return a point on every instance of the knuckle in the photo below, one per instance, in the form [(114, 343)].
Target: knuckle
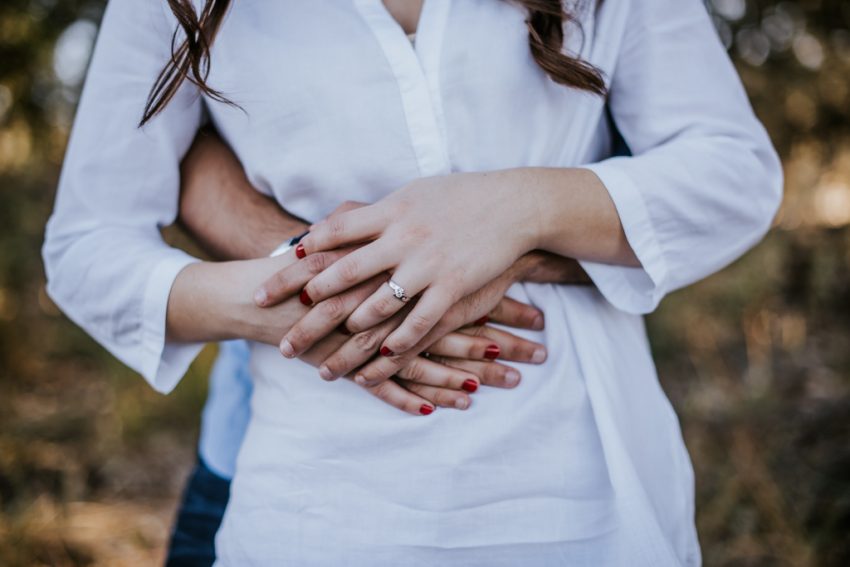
[(349, 271), (367, 341), (333, 308), (281, 278), (415, 371), (316, 263), (336, 227), (416, 234), (400, 344), (479, 332), (384, 307), (383, 391), (420, 324)]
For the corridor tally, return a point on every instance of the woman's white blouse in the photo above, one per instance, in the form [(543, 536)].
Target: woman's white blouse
[(336, 104)]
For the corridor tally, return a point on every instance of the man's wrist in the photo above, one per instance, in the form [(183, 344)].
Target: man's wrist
[(271, 239), (287, 245)]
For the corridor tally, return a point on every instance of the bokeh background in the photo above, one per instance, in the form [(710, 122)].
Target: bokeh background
[(756, 359)]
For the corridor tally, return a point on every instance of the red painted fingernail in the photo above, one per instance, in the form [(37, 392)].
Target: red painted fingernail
[(305, 298), (482, 321), (342, 329), (426, 409), (469, 385), (492, 352), (300, 252), (386, 351)]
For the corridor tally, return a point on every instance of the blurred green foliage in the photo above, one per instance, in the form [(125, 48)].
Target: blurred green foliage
[(756, 359)]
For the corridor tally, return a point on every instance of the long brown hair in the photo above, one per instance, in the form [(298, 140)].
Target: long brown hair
[(190, 60)]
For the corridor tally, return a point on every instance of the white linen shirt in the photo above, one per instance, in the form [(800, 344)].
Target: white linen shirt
[(335, 105)]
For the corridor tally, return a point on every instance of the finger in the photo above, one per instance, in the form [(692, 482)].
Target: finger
[(511, 347), (292, 279), (385, 366), (324, 318), (439, 396), (488, 373), (513, 313), (346, 206), (395, 395), (462, 345), (355, 268), (380, 369), (384, 303), (359, 349), (424, 371), (344, 228), (427, 312)]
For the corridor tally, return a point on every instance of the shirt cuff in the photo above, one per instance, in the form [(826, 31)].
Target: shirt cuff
[(164, 364), (633, 290)]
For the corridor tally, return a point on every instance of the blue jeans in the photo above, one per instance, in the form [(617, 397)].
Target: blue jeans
[(198, 519)]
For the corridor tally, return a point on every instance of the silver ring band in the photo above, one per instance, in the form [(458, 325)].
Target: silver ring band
[(398, 291)]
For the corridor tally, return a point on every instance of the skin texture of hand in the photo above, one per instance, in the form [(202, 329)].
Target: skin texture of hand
[(212, 302), (443, 238), (331, 314)]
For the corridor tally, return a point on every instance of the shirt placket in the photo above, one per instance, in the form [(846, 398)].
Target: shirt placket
[(416, 71)]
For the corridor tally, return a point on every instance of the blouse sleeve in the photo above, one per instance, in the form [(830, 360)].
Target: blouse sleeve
[(704, 182), (107, 266)]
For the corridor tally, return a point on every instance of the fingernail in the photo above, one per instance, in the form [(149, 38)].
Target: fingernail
[(482, 321), (539, 356), (461, 403), (492, 352), (386, 351), (511, 378), (300, 252), (360, 380), (469, 385), (538, 323), (286, 349), (342, 329), (260, 297), (326, 373), (425, 409), (305, 298)]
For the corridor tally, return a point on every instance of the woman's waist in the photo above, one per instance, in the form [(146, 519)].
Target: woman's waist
[(289, 392), (444, 487), (536, 444)]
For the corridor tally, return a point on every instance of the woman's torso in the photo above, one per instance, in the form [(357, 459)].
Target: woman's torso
[(339, 106)]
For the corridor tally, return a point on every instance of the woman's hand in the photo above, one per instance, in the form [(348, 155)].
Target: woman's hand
[(212, 301), (455, 367), (441, 237), (325, 317)]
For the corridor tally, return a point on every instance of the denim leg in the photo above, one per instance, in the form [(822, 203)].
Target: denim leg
[(198, 519)]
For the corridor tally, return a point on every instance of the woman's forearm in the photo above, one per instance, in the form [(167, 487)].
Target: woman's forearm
[(212, 301), (576, 216)]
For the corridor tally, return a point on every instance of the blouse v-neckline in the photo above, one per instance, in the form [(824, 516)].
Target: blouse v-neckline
[(416, 69)]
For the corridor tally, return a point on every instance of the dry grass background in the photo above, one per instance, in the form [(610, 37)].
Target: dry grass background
[(756, 359)]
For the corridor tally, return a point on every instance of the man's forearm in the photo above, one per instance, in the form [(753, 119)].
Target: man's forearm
[(222, 211)]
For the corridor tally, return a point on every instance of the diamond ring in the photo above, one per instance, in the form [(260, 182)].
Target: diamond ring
[(398, 291)]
